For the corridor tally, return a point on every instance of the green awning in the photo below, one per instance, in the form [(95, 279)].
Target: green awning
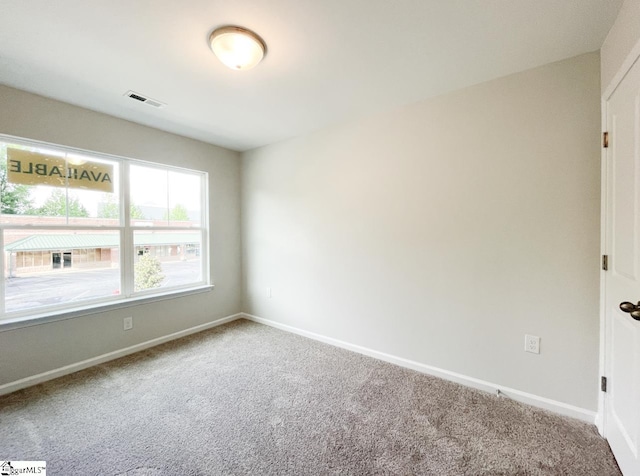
[(99, 240)]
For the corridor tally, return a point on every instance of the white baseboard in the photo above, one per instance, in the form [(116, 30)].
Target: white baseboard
[(535, 400), (524, 397), (69, 369)]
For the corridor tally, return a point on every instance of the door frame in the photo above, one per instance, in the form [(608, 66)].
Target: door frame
[(630, 60)]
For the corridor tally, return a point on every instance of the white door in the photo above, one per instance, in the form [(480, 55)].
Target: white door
[(622, 280)]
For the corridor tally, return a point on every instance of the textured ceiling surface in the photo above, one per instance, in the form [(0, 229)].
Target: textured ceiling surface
[(328, 61)]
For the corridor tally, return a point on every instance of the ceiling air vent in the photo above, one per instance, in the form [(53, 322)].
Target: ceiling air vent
[(144, 99)]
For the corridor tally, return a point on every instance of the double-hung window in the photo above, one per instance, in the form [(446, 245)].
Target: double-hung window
[(80, 229)]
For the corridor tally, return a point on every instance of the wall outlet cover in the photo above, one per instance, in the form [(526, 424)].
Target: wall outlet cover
[(532, 344)]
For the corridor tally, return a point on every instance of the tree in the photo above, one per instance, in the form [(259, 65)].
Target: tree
[(108, 208), (136, 213), (177, 213), (148, 273), (56, 205), (15, 198)]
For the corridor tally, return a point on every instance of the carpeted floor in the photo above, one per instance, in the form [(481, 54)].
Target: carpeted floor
[(249, 399)]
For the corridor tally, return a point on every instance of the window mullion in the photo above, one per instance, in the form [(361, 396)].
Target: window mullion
[(126, 235)]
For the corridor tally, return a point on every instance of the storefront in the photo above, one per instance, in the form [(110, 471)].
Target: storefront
[(42, 253)]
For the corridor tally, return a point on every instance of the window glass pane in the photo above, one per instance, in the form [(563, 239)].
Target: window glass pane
[(163, 197), (166, 259), (53, 267), (40, 186), (185, 199), (149, 196)]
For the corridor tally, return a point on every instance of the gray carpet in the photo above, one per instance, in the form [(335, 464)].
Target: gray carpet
[(248, 399)]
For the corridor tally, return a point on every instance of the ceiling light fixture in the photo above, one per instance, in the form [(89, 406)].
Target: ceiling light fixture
[(237, 48)]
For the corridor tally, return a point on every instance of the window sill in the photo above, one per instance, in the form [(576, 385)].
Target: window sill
[(44, 318)]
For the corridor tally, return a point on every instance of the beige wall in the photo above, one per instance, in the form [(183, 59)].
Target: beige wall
[(441, 232), (32, 350), (622, 38), (444, 231)]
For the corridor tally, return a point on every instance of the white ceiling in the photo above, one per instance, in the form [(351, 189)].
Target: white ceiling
[(327, 61)]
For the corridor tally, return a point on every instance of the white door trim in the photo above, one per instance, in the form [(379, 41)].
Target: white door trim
[(600, 415), (626, 66)]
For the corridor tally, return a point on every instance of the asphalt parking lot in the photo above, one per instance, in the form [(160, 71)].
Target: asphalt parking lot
[(66, 286)]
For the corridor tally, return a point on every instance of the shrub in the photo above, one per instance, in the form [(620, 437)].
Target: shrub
[(148, 273)]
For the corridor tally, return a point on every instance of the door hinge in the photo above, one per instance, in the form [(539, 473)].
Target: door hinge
[(605, 139), (603, 384), (605, 262)]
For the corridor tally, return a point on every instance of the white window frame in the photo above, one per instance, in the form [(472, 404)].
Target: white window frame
[(127, 297)]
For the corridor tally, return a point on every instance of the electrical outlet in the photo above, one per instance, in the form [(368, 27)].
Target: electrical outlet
[(532, 344), (128, 323)]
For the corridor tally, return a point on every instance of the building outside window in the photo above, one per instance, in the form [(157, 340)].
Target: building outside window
[(81, 228)]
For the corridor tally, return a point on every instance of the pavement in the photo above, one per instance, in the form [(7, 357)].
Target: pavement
[(67, 285)]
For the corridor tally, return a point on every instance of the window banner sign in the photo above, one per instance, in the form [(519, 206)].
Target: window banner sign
[(33, 168)]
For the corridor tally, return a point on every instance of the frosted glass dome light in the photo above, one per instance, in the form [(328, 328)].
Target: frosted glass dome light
[(237, 48)]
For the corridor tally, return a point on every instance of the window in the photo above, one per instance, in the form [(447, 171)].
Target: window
[(78, 229)]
